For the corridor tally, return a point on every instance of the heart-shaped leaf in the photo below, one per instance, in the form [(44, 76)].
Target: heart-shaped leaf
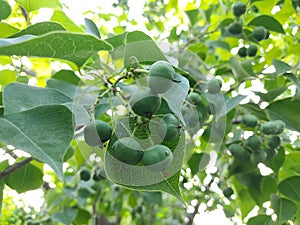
[(290, 187), (75, 47), (44, 132), (141, 177), (19, 97)]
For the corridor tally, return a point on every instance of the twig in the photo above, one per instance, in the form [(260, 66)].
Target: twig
[(197, 37), (150, 221), (15, 167), (192, 215)]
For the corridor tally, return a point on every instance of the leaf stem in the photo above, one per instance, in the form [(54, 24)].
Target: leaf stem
[(15, 167)]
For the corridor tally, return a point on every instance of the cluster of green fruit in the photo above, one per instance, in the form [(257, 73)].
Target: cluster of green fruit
[(144, 104), (253, 144), (197, 109), (235, 28), (85, 175)]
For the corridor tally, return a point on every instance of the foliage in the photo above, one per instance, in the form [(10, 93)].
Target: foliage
[(226, 73)]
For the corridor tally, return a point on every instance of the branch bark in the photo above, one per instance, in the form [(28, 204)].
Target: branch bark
[(15, 167), (192, 215)]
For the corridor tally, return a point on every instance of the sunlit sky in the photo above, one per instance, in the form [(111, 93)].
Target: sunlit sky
[(75, 10)]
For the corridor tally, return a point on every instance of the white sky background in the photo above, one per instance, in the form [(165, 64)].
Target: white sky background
[(75, 11)]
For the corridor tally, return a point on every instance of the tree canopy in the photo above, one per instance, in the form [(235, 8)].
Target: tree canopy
[(149, 116)]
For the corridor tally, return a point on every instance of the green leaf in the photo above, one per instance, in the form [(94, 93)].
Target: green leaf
[(269, 22), (91, 28), (240, 71), (176, 95), (296, 82), (74, 47), (286, 110), (170, 186), (193, 15), (68, 76), (244, 199), (255, 110), (281, 67), (284, 208), (271, 94), (31, 5), (66, 216), (40, 29), (44, 132), (142, 47), (5, 10), (82, 217), (7, 76), (7, 30), (198, 161), (74, 92), (153, 198), (230, 104), (276, 162), (20, 97), (118, 42), (285, 11), (25, 178), (3, 165), (61, 18), (290, 188), (267, 186), (261, 220), (141, 178), (220, 44)]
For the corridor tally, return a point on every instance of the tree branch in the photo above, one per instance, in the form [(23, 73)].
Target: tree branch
[(192, 215), (14, 167)]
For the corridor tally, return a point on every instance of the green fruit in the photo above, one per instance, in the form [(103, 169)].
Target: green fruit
[(235, 28), (213, 86), (84, 193), (194, 98), (85, 175), (139, 209), (164, 108), (250, 120), (98, 175), (258, 157), (259, 33), (267, 34), (236, 149), (97, 132), (161, 76), (252, 50), (254, 8), (238, 9), (271, 153), (157, 158), (168, 128), (242, 52), (145, 103), (272, 127), (127, 150), (227, 192), (274, 142), (254, 142)]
